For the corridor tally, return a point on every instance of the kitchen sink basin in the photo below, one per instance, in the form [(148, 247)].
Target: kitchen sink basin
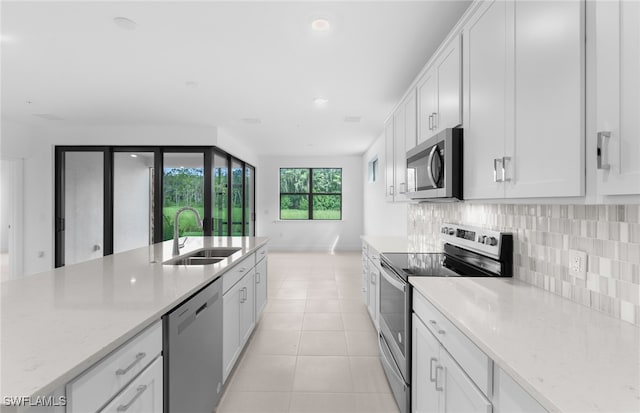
[(215, 252), (194, 261)]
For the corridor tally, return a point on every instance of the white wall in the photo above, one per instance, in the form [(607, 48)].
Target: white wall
[(381, 217), (310, 235), (6, 203), (36, 147)]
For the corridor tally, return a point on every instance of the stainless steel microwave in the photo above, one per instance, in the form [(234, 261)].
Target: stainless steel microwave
[(434, 168)]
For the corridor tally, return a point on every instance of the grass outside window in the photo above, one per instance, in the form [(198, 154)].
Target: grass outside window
[(310, 193)]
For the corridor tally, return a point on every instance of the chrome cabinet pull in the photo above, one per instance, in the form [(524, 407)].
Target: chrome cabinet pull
[(600, 151), (504, 173), (139, 391), (373, 279), (430, 122), (246, 295), (139, 357), (403, 187), (435, 125), (439, 368), (495, 169), (257, 278), (431, 376)]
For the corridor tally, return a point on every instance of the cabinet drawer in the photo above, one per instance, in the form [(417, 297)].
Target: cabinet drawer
[(261, 253), (93, 388), (235, 274), (143, 395), (475, 363)]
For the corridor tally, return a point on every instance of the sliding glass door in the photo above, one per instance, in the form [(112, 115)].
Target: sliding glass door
[(113, 199)]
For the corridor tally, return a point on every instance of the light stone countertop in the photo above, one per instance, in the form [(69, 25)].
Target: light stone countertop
[(57, 323), (567, 356), (387, 244)]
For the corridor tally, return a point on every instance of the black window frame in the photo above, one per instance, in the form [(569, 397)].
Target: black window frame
[(310, 194)]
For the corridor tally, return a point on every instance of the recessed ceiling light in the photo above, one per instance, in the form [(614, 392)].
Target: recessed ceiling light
[(352, 119), (321, 25), (124, 23), (133, 155), (251, 121), (320, 101)]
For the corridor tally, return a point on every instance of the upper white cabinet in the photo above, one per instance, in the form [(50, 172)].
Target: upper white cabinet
[(400, 136), (439, 93), (617, 50), (523, 72), (389, 159)]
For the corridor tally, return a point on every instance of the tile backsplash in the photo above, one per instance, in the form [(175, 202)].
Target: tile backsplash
[(543, 236)]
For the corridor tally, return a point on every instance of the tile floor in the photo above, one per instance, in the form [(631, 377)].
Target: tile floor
[(315, 348)]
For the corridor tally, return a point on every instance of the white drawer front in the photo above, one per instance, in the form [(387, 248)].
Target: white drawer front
[(261, 253), (235, 274), (91, 390), (475, 363), (143, 395)]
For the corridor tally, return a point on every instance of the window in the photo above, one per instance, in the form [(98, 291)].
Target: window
[(373, 170), (310, 193)]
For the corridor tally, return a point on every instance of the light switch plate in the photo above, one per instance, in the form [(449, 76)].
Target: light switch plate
[(578, 264)]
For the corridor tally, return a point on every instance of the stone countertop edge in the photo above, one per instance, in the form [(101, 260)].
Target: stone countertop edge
[(384, 244), (22, 374), (569, 357)]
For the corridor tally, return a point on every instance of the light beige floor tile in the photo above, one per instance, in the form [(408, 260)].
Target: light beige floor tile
[(295, 284), (276, 305), (275, 342), (291, 293), (281, 321), (376, 403), (323, 403), (254, 402), (350, 292), (322, 322), (357, 322), (368, 375), (264, 373), (328, 374), (354, 305), (320, 284), (322, 305), (324, 293), (362, 343), (323, 343)]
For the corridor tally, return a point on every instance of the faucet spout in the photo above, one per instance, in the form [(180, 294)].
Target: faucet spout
[(176, 247)]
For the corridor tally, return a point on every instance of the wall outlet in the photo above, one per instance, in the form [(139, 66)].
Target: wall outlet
[(578, 264)]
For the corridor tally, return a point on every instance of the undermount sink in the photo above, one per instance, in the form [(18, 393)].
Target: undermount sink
[(215, 252), (194, 261), (205, 256)]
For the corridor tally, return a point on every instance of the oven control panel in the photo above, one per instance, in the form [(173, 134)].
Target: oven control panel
[(484, 241)]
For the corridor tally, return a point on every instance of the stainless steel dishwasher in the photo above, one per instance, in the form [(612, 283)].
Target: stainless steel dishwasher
[(193, 353)]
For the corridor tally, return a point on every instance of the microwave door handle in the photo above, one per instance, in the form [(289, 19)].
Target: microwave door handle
[(429, 163)]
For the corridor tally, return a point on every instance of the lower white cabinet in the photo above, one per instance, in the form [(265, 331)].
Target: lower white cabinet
[(110, 377), (261, 286), (143, 394), (370, 282), (238, 319), (439, 383), (509, 396)]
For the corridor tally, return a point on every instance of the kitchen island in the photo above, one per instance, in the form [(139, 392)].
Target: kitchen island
[(56, 324)]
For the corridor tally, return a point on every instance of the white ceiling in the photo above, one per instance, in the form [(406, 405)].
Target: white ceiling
[(257, 60)]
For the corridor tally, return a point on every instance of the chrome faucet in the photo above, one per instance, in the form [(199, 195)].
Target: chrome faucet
[(176, 247)]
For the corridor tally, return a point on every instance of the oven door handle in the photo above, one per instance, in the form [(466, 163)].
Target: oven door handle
[(388, 358), (393, 280)]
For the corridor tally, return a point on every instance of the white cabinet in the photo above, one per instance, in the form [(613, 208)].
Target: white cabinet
[(365, 275), (439, 383), (370, 282), (509, 396), (439, 93), (400, 136), (523, 76), (261, 284), (617, 51), (238, 319), (110, 376), (143, 394), (389, 159)]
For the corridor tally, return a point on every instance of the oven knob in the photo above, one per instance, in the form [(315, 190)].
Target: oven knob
[(452, 231), (491, 241), (444, 230), (481, 239)]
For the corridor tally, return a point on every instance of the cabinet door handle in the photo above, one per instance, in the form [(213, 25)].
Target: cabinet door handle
[(139, 390), (246, 295), (495, 169), (403, 189), (432, 378), (601, 164), (430, 122), (435, 125), (257, 278), (373, 280), (439, 368), (139, 357), (504, 172), (390, 189)]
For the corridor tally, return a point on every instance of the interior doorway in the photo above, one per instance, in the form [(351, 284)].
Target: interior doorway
[(11, 218)]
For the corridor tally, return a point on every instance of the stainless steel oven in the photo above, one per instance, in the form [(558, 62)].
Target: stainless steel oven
[(467, 252), (434, 168)]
